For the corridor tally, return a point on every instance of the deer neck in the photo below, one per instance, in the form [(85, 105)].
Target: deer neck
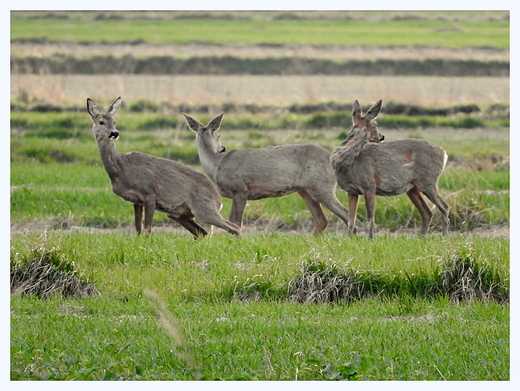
[(109, 157), (209, 159), (350, 149)]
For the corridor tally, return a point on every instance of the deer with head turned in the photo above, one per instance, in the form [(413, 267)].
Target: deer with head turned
[(254, 174), (153, 183), (366, 166)]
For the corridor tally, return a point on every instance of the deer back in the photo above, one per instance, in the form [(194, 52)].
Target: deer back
[(390, 168), (275, 171)]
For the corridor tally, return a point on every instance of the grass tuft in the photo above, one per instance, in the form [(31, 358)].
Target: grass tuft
[(320, 283), (464, 279), (46, 273)]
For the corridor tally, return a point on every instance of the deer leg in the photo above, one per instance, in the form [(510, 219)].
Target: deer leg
[(149, 209), (316, 211), (190, 224), (435, 197), (332, 203), (353, 200), (370, 201), (415, 196), (215, 219), (237, 208), (138, 211)]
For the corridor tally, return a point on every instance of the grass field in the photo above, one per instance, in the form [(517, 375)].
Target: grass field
[(278, 90), (227, 312), (464, 33), (90, 300)]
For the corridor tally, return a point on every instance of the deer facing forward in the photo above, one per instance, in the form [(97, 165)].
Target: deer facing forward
[(153, 183), (254, 174), (365, 166)]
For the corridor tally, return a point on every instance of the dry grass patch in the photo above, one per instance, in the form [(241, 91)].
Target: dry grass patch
[(46, 273)]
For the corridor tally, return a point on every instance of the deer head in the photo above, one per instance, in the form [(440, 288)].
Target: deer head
[(104, 124), (208, 134), (367, 123)]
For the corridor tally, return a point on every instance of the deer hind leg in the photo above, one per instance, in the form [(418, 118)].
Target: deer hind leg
[(435, 197), (210, 216), (370, 200), (426, 215), (149, 210), (138, 211), (237, 208), (218, 221), (332, 203), (316, 211), (353, 201), (190, 224)]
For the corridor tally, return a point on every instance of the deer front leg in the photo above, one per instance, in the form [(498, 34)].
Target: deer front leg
[(237, 208), (370, 200), (138, 211), (149, 209), (353, 200)]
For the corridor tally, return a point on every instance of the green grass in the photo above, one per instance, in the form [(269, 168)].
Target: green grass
[(350, 33), (226, 335)]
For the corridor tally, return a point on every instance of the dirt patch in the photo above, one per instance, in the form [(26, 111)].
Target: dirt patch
[(256, 227)]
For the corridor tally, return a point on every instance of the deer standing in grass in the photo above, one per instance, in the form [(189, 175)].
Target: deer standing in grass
[(153, 183), (254, 174), (365, 166)]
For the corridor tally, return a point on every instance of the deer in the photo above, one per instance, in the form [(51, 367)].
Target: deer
[(153, 183), (365, 165), (257, 173)]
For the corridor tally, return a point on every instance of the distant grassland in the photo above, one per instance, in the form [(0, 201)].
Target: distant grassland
[(441, 33)]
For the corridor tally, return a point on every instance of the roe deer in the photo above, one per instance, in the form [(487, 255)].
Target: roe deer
[(365, 166), (253, 174), (151, 182)]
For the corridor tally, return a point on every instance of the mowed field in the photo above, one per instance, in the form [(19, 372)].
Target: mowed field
[(217, 89), (91, 300)]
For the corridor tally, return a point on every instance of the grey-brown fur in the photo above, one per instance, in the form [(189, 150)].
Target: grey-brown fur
[(365, 166), (253, 174), (153, 183)]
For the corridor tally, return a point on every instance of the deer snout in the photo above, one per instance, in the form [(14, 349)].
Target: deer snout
[(114, 134), (222, 149), (381, 137)]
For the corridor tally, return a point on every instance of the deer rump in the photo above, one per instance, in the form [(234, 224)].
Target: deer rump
[(390, 168), (273, 171)]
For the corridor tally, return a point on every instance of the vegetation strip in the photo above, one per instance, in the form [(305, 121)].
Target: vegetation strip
[(229, 65)]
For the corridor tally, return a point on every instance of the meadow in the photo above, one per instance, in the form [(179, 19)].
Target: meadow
[(91, 300)]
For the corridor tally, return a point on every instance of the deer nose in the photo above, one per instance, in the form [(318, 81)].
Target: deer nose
[(114, 134), (381, 138), (222, 149)]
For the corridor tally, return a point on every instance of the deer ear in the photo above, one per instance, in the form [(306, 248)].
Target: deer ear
[(374, 110), (214, 124), (356, 112), (92, 108), (112, 110), (192, 122)]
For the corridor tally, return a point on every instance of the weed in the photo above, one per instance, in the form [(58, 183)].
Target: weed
[(465, 279), (48, 272), (321, 283)]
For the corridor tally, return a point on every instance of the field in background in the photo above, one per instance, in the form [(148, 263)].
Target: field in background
[(196, 90)]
